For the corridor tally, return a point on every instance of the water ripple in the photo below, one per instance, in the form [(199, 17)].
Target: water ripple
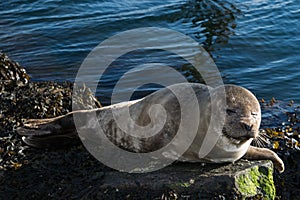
[(254, 42)]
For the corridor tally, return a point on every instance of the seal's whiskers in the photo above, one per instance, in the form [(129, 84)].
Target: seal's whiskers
[(261, 140)]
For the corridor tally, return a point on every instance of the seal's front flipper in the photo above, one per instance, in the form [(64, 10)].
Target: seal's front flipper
[(256, 153), (47, 133)]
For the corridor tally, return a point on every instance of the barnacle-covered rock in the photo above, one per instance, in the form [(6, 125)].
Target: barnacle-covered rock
[(11, 73), (22, 99), (84, 99)]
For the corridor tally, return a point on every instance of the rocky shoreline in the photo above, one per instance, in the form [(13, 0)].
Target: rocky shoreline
[(72, 173)]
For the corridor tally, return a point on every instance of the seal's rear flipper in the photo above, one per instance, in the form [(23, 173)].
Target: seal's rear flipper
[(46, 133), (56, 141)]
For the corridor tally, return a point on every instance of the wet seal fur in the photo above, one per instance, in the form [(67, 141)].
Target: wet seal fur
[(242, 122)]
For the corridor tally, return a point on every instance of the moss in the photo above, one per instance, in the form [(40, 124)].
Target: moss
[(180, 185), (246, 185), (258, 180)]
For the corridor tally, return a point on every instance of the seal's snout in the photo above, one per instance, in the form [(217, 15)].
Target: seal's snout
[(247, 127), (250, 130)]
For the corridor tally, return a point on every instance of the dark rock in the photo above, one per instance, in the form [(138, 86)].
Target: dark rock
[(196, 181), (75, 174), (11, 73), (21, 99)]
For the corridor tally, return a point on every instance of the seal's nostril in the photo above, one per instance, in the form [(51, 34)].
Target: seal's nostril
[(247, 127)]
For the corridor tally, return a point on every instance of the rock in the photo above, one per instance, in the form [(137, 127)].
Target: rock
[(75, 174), (21, 99), (11, 73), (243, 179)]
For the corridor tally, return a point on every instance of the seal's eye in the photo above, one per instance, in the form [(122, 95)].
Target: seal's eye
[(230, 111), (254, 113)]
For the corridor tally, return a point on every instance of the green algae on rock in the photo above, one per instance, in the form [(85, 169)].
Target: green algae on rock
[(257, 181)]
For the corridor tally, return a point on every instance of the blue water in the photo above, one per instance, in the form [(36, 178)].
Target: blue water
[(255, 44)]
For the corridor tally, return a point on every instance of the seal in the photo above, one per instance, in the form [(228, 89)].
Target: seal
[(232, 139)]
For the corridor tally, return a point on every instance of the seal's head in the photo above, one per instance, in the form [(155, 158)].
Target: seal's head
[(242, 113)]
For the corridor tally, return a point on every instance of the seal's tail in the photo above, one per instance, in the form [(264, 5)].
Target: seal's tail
[(48, 133)]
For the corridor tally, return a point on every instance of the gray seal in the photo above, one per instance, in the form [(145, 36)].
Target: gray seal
[(242, 122)]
